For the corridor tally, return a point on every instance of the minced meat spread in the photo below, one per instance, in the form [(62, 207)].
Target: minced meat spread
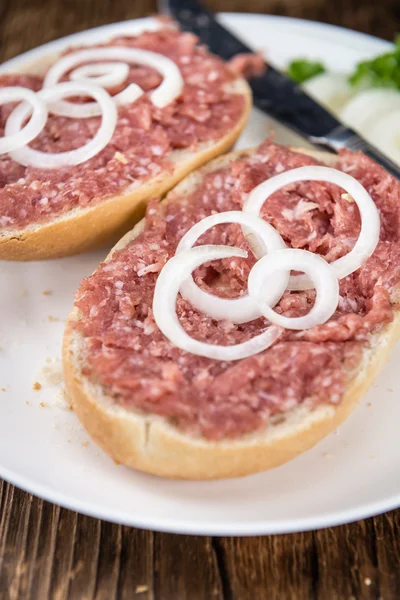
[(142, 140), (142, 369)]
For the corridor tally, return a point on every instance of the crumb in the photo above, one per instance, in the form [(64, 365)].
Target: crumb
[(59, 399), (369, 404), (24, 292), (372, 457), (121, 158), (367, 581), (68, 441), (85, 444), (37, 386), (141, 588), (52, 319), (70, 407), (328, 455), (390, 390), (43, 404), (3, 390), (51, 373), (26, 402), (116, 462), (47, 293)]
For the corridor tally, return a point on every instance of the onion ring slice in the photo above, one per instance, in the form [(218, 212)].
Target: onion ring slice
[(320, 273), (105, 74), (370, 221), (166, 92), (169, 281), (46, 160), (242, 309), (38, 109), (385, 134)]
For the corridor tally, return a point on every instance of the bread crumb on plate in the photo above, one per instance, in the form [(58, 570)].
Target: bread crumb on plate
[(51, 373)]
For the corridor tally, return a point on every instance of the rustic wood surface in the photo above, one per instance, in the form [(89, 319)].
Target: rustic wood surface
[(51, 553)]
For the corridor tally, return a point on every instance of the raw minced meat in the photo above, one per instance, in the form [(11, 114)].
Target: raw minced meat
[(142, 369)]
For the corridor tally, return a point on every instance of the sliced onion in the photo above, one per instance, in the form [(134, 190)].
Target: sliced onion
[(330, 89), (367, 107), (243, 309), (34, 105), (110, 74), (105, 74), (319, 271), (370, 221), (169, 281), (385, 134), (47, 160), (166, 92)]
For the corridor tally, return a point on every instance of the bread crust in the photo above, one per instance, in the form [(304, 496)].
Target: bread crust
[(107, 220), (152, 444)]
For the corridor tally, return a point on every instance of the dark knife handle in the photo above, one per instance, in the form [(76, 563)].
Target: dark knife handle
[(273, 92), (197, 19), (277, 95), (344, 137)]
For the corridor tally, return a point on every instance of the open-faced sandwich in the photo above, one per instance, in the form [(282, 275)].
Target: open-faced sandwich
[(289, 316), (90, 135)]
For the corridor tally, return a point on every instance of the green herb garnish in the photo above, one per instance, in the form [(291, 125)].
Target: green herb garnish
[(302, 69), (382, 71)]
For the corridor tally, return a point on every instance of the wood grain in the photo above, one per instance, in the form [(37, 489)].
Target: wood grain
[(49, 553)]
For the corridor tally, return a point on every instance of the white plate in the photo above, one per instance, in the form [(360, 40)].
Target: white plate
[(353, 473)]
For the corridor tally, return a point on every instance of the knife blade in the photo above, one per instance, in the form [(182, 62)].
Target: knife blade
[(273, 92)]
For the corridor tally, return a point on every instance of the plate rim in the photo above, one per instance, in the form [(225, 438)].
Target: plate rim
[(187, 526)]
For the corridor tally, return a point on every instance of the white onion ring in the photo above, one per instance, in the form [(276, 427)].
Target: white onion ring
[(242, 309), (105, 74), (47, 160), (321, 274), (36, 123), (368, 106), (384, 134), (370, 221), (170, 279), (332, 90), (166, 92)]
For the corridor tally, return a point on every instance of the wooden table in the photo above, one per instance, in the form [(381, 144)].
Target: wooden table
[(51, 553)]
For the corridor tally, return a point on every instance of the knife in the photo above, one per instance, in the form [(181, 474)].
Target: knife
[(273, 92)]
